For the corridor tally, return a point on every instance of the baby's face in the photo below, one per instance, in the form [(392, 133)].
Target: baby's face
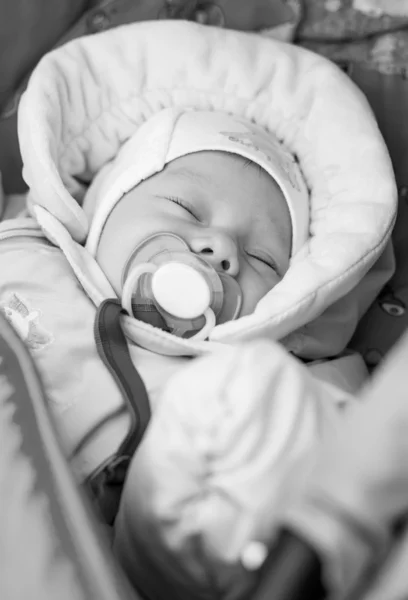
[(229, 211)]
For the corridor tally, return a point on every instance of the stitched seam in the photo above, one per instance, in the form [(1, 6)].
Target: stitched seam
[(376, 250), (170, 91)]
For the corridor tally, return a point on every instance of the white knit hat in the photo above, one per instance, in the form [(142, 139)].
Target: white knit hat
[(173, 133)]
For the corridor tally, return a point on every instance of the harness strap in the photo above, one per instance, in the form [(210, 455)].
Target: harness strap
[(107, 483)]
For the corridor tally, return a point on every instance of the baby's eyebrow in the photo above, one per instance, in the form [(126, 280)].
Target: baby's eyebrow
[(191, 174)]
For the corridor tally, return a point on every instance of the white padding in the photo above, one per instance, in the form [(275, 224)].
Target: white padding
[(86, 99)]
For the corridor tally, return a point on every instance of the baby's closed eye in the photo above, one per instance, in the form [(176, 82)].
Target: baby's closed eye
[(262, 258), (184, 205)]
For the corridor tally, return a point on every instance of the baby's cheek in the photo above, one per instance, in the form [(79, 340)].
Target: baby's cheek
[(254, 287)]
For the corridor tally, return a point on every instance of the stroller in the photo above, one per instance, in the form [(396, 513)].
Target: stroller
[(52, 545), (71, 555)]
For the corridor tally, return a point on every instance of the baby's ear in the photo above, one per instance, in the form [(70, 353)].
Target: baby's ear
[(208, 13)]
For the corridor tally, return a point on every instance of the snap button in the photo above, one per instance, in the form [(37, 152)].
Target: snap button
[(254, 555), (372, 358), (403, 192), (394, 307), (98, 21)]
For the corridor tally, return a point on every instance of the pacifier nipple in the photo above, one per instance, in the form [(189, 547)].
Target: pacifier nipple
[(181, 290)]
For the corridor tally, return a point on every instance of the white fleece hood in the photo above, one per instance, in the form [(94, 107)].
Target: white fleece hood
[(87, 98)]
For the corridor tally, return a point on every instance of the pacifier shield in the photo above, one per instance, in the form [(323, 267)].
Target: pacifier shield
[(232, 299), (181, 290), (162, 245)]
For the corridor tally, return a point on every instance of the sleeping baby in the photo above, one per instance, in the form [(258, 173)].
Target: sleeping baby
[(228, 201), (180, 285)]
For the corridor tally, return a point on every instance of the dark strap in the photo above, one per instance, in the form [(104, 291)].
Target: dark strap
[(292, 571), (112, 347), (46, 526), (148, 313)]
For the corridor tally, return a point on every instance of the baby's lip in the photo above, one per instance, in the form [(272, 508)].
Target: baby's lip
[(233, 299)]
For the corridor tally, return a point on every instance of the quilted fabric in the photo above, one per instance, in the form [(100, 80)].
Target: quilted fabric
[(85, 99)]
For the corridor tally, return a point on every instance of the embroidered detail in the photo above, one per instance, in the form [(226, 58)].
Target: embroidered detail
[(26, 322), (281, 157)]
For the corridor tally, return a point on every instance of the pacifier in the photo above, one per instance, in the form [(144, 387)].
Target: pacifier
[(170, 287)]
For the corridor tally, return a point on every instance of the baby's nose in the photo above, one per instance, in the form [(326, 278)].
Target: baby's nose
[(220, 250)]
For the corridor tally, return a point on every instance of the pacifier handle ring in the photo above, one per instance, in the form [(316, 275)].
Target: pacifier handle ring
[(131, 282), (208, 327)]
